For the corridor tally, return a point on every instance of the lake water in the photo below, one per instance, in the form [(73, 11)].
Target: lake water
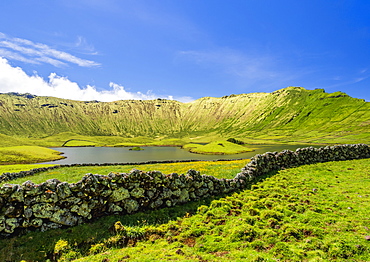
[(99, 155)]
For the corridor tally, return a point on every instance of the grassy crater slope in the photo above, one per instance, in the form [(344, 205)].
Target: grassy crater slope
[(311, 213), (289, 114)]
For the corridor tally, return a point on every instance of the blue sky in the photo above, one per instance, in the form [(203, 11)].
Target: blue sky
[(183, 49)]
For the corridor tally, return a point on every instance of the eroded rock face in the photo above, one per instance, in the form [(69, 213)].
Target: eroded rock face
[(54, 204)]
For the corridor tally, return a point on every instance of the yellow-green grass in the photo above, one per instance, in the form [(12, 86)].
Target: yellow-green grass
[(27, 154), (60, 139), (168, 142), (220, 169), (20, 167), (79, 143), (153, 142), (220, 147), (127, 144), (311, 213), (8, 141), (292, 114)]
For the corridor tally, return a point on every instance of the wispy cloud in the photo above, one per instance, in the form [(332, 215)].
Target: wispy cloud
[(14, 79), (348, 82), (234, 62), (249, 70), (36, 53), (82, 44), (349, 79), (16, 56)]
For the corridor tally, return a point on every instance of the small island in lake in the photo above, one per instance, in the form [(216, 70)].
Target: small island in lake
[(136, 148)]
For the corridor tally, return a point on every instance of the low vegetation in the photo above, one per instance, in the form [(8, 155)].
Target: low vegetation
[(79, 143), (221, 147), (136, 148), (21, 167), (235, 141), (292, 114), (310, 213), (27, 154)]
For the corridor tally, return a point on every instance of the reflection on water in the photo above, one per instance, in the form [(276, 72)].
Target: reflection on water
[(99, 155)]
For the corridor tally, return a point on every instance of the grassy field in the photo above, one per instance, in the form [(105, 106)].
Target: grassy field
[(27, 154), (220, 169), (21, 167), (76, 142), (220, 147), (310, 213)]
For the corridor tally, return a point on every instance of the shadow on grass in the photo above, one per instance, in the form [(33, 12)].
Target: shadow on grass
[(39, 246)]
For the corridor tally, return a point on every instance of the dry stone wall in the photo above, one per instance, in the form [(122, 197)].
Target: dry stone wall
[(55, 204), (8, 176)]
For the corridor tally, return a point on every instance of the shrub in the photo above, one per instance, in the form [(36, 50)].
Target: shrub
[(235, 141)]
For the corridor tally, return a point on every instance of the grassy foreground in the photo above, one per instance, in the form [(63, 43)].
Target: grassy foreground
[(21, 167), (310, 213)]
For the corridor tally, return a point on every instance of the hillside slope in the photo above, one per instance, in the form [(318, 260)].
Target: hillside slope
[(289, 114)]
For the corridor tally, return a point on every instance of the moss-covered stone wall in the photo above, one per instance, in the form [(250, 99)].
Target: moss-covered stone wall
[(55, 204)]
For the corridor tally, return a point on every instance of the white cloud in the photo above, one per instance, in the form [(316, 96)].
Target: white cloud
[(82, 44), (14, 79), (29, 52), (15, 56), (248, 70)]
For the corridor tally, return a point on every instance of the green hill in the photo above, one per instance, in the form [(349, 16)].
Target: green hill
[(292, 114)]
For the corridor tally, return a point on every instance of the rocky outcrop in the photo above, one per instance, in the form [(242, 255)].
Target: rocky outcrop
[(55, 204)]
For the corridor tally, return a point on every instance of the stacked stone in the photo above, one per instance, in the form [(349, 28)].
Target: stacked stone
[(11, 176), (55, 204), (270, 161)]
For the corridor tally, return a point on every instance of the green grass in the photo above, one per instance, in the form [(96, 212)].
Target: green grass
[(20, 167), (292, 114), (221, 147), (27, 154), (127, 144), (153, 142), (79, 143), (9, 141), (220, 169), (310, 213)]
